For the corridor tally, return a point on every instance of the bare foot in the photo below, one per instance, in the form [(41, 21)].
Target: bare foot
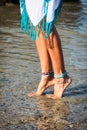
[(45, 83), (60, 87)]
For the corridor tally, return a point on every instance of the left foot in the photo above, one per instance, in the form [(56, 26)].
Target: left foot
[(60, 87), (43, 85)]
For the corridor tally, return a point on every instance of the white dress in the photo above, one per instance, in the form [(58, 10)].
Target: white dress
[(39, 15)]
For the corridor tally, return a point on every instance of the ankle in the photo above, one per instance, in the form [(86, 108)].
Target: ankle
[(59, 80), (47, 74)]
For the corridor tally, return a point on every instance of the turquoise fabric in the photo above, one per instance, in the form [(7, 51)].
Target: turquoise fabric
[(34, 31)]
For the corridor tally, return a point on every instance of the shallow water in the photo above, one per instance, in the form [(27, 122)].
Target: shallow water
[(20, 74)]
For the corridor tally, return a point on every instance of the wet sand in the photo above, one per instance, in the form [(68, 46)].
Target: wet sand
[(20, 74)]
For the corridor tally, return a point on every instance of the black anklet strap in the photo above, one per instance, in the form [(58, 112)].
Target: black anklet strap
[(47, 74)]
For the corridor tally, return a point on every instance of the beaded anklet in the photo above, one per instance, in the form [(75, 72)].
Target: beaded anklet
[(47, 74), (60, 76)]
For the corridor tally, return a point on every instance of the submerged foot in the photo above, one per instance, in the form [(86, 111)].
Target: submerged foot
[(45, 83), (59, 88)]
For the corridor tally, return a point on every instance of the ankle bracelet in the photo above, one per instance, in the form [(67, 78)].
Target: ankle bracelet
[(60, 76), (47, 74)]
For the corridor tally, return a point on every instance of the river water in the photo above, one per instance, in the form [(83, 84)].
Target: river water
[(20, 74)]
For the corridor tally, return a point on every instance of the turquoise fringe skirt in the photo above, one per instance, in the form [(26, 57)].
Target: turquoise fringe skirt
[(43, 25)]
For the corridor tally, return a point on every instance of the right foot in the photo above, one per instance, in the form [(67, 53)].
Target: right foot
[(60, 87), (45, 83)]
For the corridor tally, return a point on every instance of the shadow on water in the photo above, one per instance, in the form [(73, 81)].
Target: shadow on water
[(20, 74), (79, 90)]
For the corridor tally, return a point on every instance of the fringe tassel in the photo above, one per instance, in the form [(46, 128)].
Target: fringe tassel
[(49, 26), (58, 10)]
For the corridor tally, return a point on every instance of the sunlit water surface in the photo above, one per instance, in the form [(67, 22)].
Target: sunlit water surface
[(20, 74)]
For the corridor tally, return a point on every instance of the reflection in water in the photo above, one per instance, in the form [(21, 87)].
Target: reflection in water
[(53, 114), (20, 73)]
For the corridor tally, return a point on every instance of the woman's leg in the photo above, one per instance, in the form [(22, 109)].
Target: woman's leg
[(57, 59), (45, 61), (46, 66)]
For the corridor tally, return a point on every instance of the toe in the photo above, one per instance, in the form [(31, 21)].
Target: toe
[(32, 94), (52, 96)]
